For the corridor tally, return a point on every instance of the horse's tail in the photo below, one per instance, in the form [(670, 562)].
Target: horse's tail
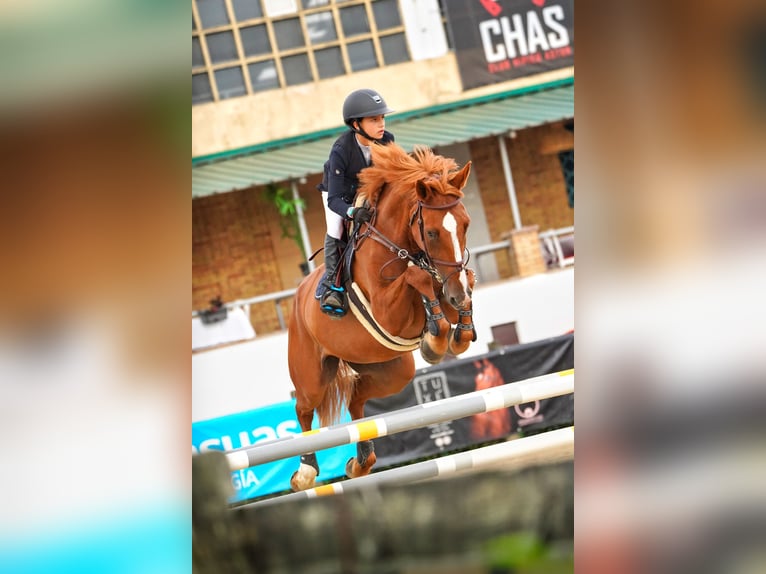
[(339, 379)]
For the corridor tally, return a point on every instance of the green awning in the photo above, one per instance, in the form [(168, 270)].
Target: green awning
[(437, 126)]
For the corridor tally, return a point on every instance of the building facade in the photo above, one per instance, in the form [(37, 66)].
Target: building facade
[(268, 82)]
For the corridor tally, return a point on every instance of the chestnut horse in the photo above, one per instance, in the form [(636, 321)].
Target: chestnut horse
[(411, 290)]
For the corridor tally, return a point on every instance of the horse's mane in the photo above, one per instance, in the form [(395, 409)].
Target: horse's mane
[(394, 166)]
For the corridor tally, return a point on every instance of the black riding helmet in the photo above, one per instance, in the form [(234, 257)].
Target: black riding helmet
[(363, 103)]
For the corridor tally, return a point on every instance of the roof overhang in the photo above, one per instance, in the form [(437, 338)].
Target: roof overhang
[(435, 126)]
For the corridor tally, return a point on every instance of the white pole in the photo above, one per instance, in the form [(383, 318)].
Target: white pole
[(509, 182), (418, 416), (552, 445), (302, 225)]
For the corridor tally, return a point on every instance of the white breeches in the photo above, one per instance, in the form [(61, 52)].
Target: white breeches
[(333, 220)]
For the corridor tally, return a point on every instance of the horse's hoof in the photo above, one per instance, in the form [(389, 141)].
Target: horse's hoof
[(350, 467), (303, 478), (455, 346), (428, 354)]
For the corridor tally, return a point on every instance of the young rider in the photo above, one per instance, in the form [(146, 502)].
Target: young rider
[(363, 113)]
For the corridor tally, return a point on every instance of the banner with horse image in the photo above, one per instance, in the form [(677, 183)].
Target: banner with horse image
[(500, 40), (508, 365), (257, 425)]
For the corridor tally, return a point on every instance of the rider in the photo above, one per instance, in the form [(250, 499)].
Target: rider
[(363, 113)]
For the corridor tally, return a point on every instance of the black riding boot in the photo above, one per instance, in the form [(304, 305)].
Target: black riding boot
[(333, 301)]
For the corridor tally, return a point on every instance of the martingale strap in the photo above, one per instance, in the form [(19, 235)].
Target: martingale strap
[(360, 307)]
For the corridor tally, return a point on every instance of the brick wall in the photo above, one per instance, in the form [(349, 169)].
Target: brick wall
[(538, 181), (238, 250), (526, 257), (233, 254)]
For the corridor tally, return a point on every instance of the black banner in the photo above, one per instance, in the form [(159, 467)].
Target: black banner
[(499, 40), (508, 365)]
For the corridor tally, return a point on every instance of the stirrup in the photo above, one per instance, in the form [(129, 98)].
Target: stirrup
[(333, 310)]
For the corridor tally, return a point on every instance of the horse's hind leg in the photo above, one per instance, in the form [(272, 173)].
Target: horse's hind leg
[(305, 477), (375, 381), (305, 363)]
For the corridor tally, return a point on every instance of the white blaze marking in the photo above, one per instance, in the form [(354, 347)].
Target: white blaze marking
[(450, 224)]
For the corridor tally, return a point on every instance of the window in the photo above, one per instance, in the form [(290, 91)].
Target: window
[(321, 27), (567, 167), (221, 47), (329, 62), (197, 59), (394, 49), (297, 70), (201, 91), (242, 47), (289, 34), (362, 56), (505, 334), (212, 13), (255, 40), (386, 14), (247, 9), (263, 75), (230, 83), (354, 19)]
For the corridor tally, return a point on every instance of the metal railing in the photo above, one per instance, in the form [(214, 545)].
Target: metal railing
[(477, 252), (277, 297), (550, 238)]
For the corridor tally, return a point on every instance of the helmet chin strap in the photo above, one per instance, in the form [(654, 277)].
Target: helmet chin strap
[(361, 132)]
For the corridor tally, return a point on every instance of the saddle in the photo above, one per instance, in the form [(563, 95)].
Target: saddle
[(359, 305)]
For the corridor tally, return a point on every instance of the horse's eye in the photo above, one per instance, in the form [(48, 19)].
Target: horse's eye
[(432, 234)]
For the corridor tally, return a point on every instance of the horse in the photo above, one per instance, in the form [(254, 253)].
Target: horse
[(410, 288), (495, 423)]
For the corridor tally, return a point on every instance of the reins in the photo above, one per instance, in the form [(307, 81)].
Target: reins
[(422, 258)]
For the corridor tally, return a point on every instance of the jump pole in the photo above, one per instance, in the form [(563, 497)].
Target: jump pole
[(548, 443), (451, 408)]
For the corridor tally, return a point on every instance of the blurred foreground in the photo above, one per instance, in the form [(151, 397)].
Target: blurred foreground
[(501, 521), (671, 277), (94, 260)]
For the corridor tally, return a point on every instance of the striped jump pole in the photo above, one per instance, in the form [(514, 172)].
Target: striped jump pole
[(451, 408), (548, 444)]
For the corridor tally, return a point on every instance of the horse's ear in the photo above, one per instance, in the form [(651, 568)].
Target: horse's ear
[(422, 189), (460, 178)]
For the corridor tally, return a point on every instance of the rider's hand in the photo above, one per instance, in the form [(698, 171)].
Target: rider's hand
[(359, 214)]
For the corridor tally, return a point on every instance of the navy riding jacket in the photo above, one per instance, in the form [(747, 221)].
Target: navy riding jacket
[(341, 171)]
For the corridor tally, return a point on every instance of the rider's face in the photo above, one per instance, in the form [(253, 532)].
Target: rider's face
[(373, 126)]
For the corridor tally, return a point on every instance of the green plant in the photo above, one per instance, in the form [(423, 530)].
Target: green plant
[(287, 206)]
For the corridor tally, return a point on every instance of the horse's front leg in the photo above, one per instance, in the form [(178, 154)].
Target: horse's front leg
[(463, 332), (435, 343)]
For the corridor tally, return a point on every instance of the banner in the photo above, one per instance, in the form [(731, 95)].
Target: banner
[(500, 40), (257, 425), (508, 365)]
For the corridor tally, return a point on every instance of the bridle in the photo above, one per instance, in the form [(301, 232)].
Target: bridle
[(422, 258)]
